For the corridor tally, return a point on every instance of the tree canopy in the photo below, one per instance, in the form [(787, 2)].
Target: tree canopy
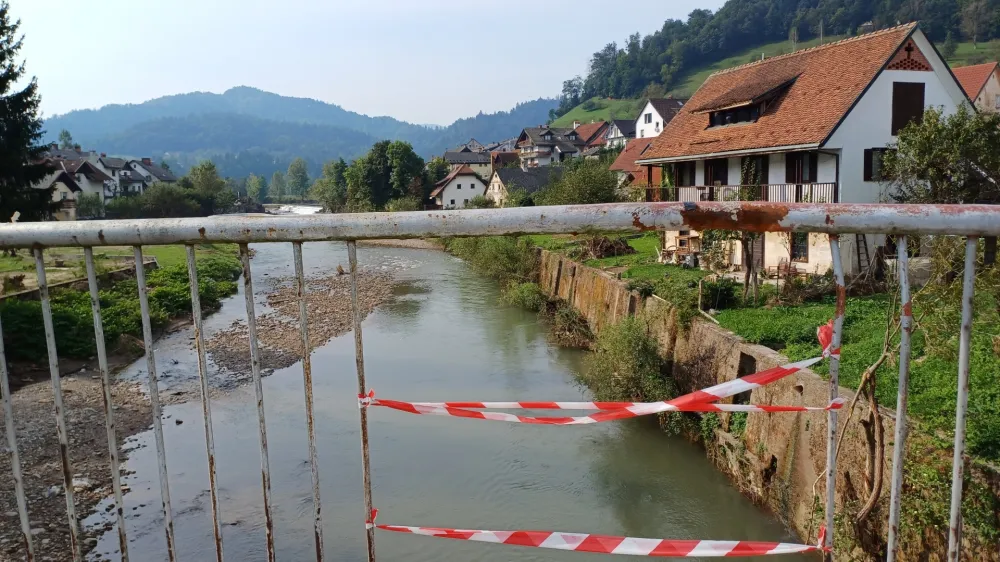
[(21, 169), (297, 178)]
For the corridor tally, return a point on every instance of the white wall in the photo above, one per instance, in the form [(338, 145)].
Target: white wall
[(989, 98), (644, 130), (88, 186), (471, 186), (869, 124), (495, 191)]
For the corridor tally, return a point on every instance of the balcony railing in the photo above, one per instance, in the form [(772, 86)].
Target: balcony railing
[(774, 192)]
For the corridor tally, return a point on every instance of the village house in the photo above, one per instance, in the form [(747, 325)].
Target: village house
[(655, 115), (543, 146), (810, 126), (455, 190), (505, 180), (64, 191), (150, 173), (480, 162), (631, 174), (89, 178), (981, 83), (620, 132)]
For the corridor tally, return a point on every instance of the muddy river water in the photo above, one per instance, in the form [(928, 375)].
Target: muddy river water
[(443, 337)]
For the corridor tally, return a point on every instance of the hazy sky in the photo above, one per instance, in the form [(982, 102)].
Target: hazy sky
[(425, 61)]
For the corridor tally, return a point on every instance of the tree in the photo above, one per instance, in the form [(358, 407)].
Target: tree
[(21, 167), (975, 16), (164, 165), (297, 178), (165, 200), (949, 47), (65, 140), (277, 186), (390, 170), (211, 192), (256, 188), (584, 182), (437, 169), (90, 206), (330, 189), (947, 159)]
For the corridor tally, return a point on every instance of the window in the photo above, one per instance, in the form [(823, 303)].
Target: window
[(873, 163), (684, 174), (755, 171), (459, 186), (800, 246), (472, 186), (63, 195), (747, 114), (907, 104), (657, 125), (648, 118), (452, 201), (717, 172), (642, 133), (801, 167)]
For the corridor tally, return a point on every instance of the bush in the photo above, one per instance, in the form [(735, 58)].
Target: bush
[(506, 258), (169, 296), (720, 294), (626, 365), (90, 206), (403, 204), (524, 295), (479, 202), (584, 182)]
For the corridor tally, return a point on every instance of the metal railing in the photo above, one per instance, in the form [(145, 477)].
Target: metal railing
[(772, 192), (972, 221)]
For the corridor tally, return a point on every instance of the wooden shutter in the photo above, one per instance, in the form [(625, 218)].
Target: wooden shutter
[(791, 168), (907, 104), (869, 153)]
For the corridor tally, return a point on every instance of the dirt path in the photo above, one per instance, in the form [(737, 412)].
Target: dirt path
[(41, 462)]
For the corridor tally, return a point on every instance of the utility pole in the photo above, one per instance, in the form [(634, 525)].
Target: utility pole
[(821, 31)]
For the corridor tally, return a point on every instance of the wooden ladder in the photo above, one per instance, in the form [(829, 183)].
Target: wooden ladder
[(861, 246)]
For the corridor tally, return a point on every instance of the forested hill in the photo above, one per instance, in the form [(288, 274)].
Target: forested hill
[(679, 48), (246, 129)]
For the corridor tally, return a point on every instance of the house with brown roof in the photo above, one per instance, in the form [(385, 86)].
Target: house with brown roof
[(655, 115), (631, 174), (543, 146), (620, 132), (455, 190), (981, 83), (810, 126)]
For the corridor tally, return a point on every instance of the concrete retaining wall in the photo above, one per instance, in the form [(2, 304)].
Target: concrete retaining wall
[(778, 458)]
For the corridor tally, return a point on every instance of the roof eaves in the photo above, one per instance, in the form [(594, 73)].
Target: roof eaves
[(741, 152)]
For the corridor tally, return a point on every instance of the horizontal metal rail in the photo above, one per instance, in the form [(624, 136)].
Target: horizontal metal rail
[(833, 218), (971, 221)]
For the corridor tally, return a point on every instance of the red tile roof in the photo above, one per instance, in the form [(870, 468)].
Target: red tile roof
[(973, 78), (592, 133), (825, 82), (633, 150), (463, 171)]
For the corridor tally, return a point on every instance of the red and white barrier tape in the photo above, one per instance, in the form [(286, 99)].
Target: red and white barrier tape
[(834, 405), (604, 544), (825, 336), (696, 401)]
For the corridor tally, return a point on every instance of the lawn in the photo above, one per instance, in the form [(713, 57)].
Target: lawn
[(933, 372), (604, 109)]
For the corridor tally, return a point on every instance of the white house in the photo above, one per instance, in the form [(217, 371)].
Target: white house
[(544, 146), (982, 84), (810, 126), (620, 132), (480, 162), (455, 190), (88, 177), (150, 173), (655, 115), (64, 192), (505, 180)]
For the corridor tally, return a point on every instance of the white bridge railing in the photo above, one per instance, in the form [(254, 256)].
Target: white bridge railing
[(971, 221)]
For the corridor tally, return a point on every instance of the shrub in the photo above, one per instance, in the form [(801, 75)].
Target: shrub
[(524, 295), (506, 258), (403, 204), (479, 202), (584, 182), (626, 365)]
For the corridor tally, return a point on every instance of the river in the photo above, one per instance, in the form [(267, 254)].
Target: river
[(443, 337)]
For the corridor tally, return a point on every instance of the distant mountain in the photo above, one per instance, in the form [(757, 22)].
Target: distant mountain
[(266, 127)]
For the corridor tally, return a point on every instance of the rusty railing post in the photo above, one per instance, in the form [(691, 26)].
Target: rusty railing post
[(57, 399), (359, 354), (206, 404), (109, 416), (265, 468), (831, 416), (300, 285), (899, 441), (154, 400), (962, 407), (15, 457)]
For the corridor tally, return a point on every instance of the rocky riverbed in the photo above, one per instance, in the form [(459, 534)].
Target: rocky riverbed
[(328, 302), (41, 462)]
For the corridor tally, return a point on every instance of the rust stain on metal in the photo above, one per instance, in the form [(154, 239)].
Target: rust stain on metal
[(25, 542), (834, 236), (100, 235), (841, 300), (760, 218), (907, 308), (637, 222), (201, 232), (829, 219)]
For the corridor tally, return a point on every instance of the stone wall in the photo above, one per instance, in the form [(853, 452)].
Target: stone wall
[(779, 457)]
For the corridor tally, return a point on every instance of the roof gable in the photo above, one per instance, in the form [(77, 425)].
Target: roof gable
[(633, 151), (973, 78), (823, 84)]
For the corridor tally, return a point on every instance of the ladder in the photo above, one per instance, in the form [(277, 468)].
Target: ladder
[(861, 247)]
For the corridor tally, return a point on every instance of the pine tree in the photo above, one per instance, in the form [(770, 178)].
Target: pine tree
[(21, 153)]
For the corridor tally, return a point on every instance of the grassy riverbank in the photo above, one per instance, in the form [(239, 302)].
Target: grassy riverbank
[(169, 298)]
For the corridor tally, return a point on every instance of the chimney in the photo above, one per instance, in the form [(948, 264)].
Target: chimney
[(147, 161), (576, 124), (53, 146), (104, 155)]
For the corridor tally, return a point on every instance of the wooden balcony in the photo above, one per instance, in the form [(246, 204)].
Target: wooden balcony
[(775, 193)]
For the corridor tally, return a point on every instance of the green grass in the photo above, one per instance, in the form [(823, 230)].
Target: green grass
[(792, 329), (604, 110), (966, 54)]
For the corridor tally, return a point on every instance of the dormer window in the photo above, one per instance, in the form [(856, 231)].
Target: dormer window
[(747, 114), (573, 136), (547, 136)]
